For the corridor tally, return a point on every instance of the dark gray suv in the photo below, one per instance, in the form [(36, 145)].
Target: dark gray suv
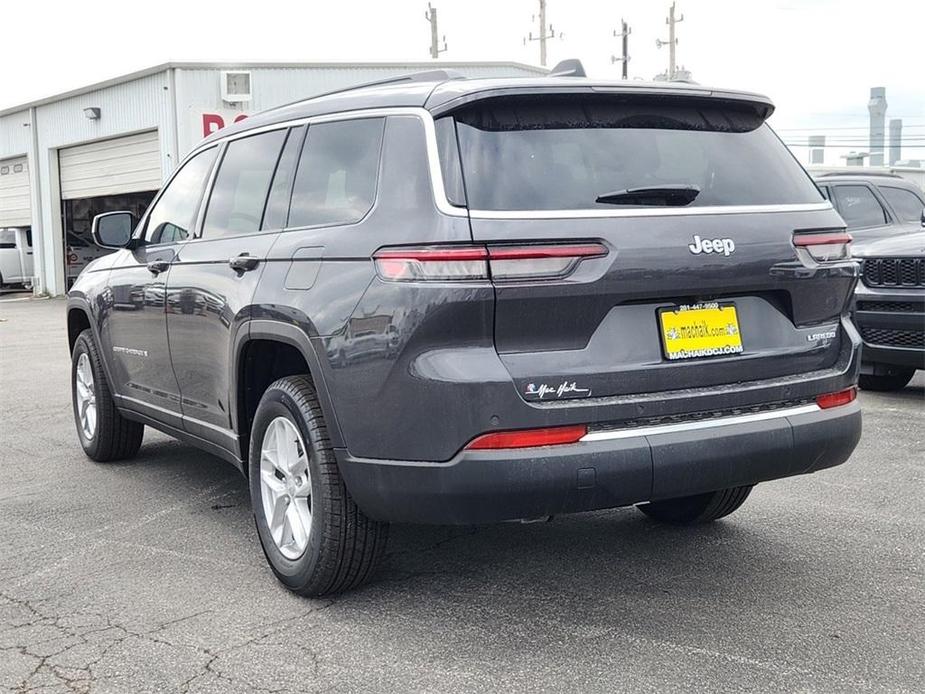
[(439, 300)]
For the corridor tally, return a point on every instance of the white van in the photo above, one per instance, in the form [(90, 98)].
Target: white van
[(16, 256)]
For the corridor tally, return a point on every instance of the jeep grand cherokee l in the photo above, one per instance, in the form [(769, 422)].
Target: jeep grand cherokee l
[(890, 309), (583, 295)]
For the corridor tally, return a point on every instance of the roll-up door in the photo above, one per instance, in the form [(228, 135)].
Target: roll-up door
[(110, 167), (15, 202)]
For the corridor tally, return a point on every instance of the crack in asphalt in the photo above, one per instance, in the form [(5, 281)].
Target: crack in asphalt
[(101, 632)]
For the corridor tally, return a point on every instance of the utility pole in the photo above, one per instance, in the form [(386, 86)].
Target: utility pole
[(543, 36), (672, 40), (431, 16), (625, 34)]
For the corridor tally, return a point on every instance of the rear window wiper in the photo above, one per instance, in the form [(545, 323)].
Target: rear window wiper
[(670, 195)]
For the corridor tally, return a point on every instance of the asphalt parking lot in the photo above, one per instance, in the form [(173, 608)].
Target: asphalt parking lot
[(147, 576)]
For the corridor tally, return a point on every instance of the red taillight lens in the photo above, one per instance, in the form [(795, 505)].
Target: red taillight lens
[(459, 263), (824, 246), (433, 264), (539, 262), (528, 438), (842, 397)]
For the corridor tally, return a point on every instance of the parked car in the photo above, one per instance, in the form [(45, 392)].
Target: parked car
[(874, 204), (16, 262), (80, 252), (590, 294), (890, 309)]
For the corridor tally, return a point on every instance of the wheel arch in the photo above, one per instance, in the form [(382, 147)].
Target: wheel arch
[(263, 334)]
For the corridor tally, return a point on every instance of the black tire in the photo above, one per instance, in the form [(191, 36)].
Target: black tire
[(700, 508), (897, 380), (115, 437), (344, 547)]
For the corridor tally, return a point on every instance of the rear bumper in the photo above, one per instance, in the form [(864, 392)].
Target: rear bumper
[(626, 467)]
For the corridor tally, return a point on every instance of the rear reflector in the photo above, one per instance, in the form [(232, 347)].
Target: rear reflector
[(824, 246), (528, 438), (842, 397), (457, 263)]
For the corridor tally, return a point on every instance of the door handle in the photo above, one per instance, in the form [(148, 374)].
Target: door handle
[(158, 266), (243, 262)]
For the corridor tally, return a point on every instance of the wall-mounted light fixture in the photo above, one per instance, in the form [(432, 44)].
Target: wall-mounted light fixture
[(92, 112)]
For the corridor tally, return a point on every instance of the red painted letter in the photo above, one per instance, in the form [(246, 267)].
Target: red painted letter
[(211, 122)]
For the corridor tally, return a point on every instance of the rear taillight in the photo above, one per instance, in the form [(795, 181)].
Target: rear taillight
[(433, 264), (824, 246), (539, 262), (528, 438), (501, 263), (841, 397)]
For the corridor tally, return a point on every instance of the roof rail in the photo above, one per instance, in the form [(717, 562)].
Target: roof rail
[(441, 75), (883, 174), (570, 67)]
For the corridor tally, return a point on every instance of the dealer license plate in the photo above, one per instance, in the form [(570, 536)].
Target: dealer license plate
[(700, 330)]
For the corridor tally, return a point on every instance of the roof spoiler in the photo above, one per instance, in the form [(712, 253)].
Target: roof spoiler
[(570, 67)]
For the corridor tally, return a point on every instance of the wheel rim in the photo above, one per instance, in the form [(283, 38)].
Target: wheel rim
[(86, 397), (286, 487)]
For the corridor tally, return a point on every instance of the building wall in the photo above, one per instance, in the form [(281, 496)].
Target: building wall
[(199, 90), (173, 101)]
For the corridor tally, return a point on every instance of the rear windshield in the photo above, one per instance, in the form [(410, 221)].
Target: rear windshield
[(528, 153)]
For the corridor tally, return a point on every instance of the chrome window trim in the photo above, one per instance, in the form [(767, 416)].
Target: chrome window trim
[(430, 134), (650, 212), (444, 206), (700, 424)]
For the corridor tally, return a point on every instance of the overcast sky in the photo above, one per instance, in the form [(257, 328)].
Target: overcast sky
[(817, 59)]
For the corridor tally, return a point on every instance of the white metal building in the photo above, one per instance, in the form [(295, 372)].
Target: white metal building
[(109, 145)]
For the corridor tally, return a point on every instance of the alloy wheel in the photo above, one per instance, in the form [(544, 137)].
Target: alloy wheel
[(286, 487), (86, 397)]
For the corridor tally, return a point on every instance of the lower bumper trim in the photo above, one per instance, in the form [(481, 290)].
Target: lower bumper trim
[(700, 424)]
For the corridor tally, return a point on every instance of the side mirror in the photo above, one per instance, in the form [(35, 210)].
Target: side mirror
[(113, 229), (923, 216)]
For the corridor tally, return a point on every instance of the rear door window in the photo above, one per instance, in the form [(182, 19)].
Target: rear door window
[(549, 153), (338, 173), (906, 204), (242, 185), (859, 207)]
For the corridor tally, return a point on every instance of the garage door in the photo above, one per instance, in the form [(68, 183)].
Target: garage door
[(15, 204), (110, 167)]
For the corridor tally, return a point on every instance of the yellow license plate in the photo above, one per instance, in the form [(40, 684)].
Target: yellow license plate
[(700, 330)]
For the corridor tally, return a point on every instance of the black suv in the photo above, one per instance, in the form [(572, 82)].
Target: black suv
[(885, 215), (873, 205), (890, 309), (441, 300)]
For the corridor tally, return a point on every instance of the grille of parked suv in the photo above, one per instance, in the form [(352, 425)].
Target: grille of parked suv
[(889, 306), (894, 338), (698, 416), (894, 272)]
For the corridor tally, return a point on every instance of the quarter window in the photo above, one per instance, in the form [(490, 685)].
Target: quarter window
[(174, 214), (278, 201), (338, 173), (858, 206), (242, 184), (907, 205)]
